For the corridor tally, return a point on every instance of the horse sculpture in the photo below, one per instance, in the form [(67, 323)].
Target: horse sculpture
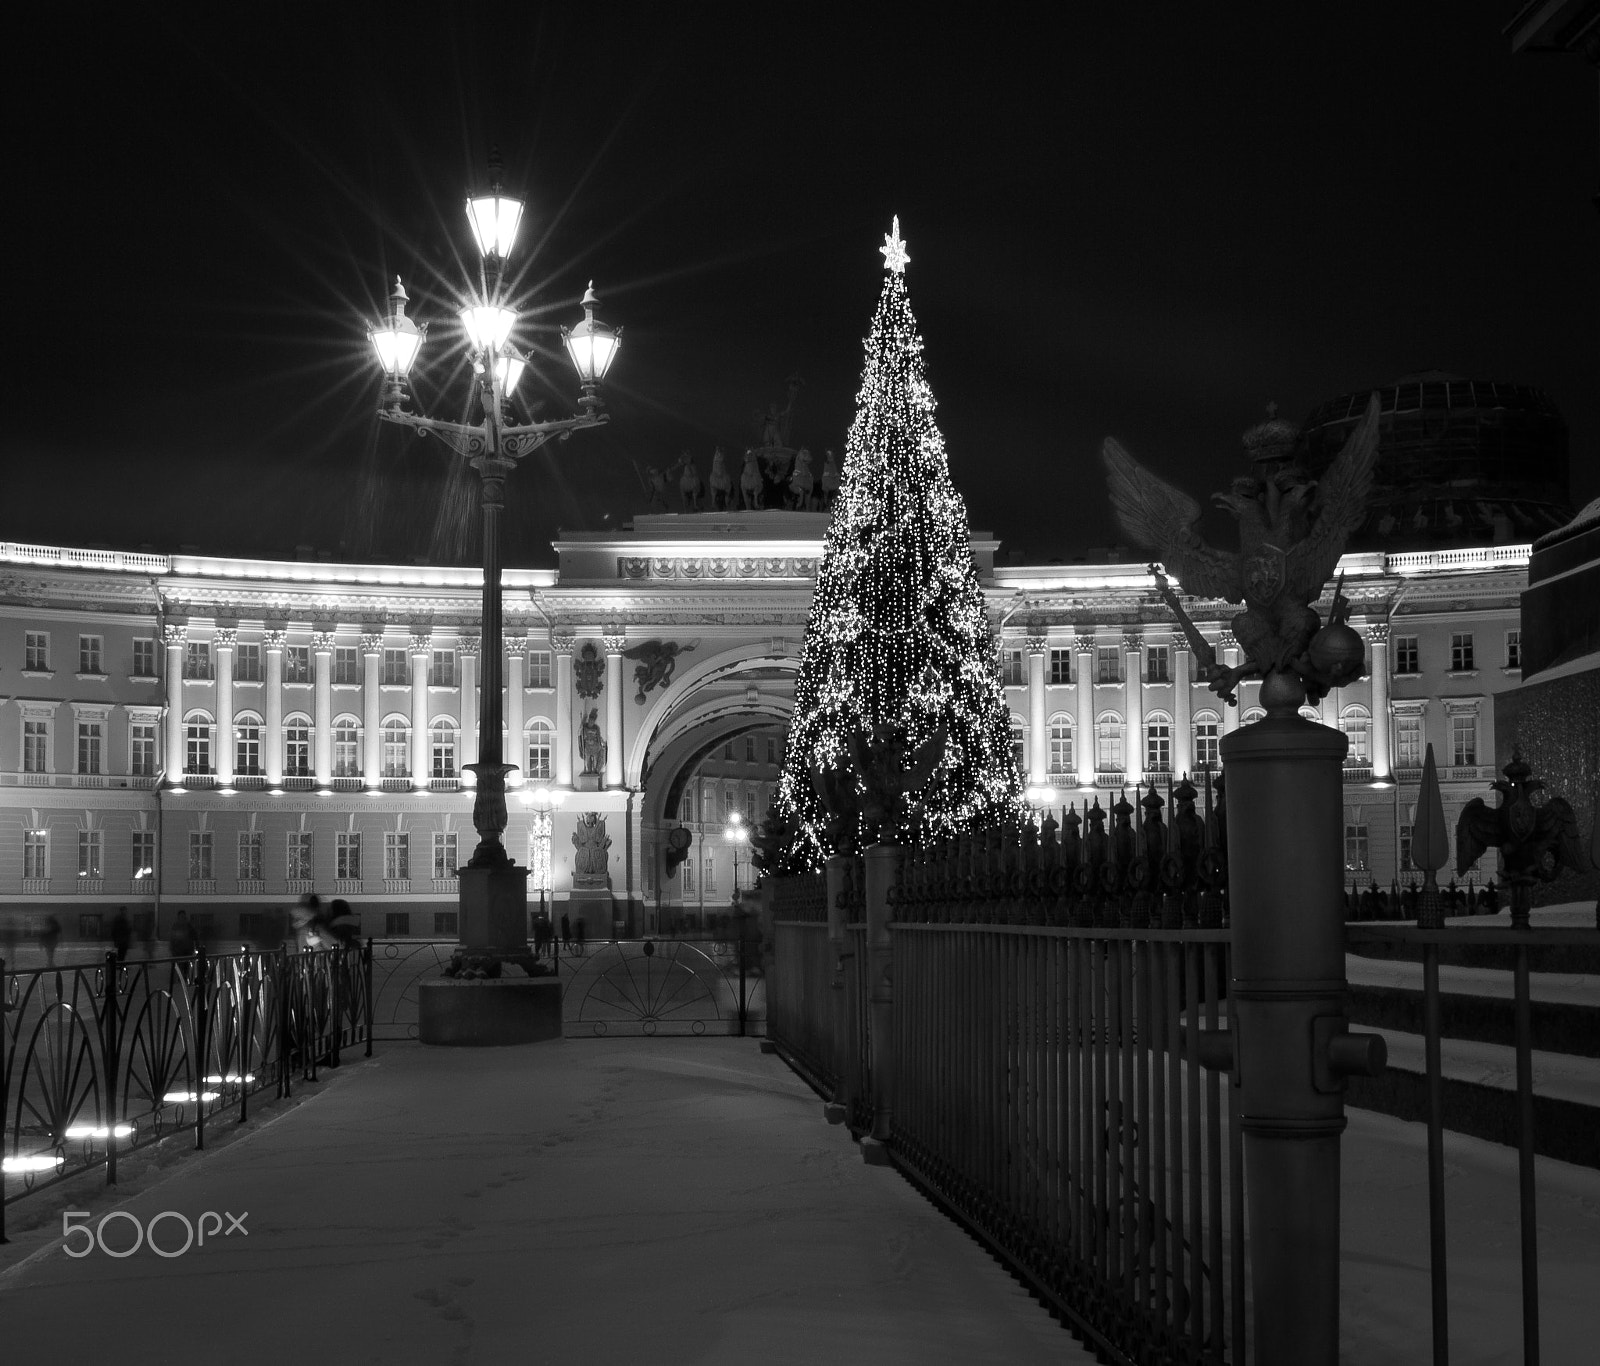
[(801, 484), (691, 487), (751, 485), (721, 484)]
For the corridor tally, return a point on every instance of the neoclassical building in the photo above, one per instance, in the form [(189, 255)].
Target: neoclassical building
[(224, 735)]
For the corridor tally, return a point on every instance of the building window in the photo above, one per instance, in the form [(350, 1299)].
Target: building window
[(772, 749), (1019, 746), (444, 923), (442, 672), (35, 746), (710, 884), (36, 652), (688, 876), (394, 667), (541, 745), (200, 868), (247, 747), (1461, 652), (396, 749), (297, 747), (1463, 739), (35, 853), (296, 663), (1011, 668), (1158, 745), (1405, 655), (1514, 649), (1357, 727), (1108, 664), (1060, 666), (1406, 865), (346, 748), (142, 748), (250, 856), (90, 649), (1060, 745), (247, 663), (1158, 664), (89, 851), (144, 657), (445, 862), (197, 659), (1408, 740), (347, 856), (397, 924), (1207, 742), (301, 851), (1108, 744), (144, 854), (197, 747), (727, 752), (90, 737), (442, 747), (1355, 848), (538, 668), (750, 806), (346, 664), (749, 749), (396, 855)]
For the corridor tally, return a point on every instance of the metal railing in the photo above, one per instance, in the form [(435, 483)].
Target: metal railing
[(101, 1059)]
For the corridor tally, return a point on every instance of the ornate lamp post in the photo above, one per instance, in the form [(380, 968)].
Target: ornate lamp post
[(738, 837), (494, 921)]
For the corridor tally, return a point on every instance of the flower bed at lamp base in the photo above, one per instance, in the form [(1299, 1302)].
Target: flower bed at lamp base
[(489, 1012)]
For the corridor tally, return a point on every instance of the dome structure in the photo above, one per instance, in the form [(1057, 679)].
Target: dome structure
[(1460, 461)]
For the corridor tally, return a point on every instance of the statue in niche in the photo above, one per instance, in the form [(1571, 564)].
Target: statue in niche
[(658, 660), (691, 487), (591, 843), (588, 670), (721, 482), (591, 745)]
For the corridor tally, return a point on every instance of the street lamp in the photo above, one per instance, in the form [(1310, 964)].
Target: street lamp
[(493, 891), (738, 837)]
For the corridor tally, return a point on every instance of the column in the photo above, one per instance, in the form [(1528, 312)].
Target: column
[(1378, 636), (614, 647), (274, 640), (1182, 710), (175, 637), (516, 691), (1228, 652), (563, 646), (1038, 740), (421, 651), (322, 708), (372, 709), (1083, 642), (1133, 720), (222, 645), (467, 648)]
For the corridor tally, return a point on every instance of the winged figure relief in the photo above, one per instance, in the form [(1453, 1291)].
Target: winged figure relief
[(657, 661), (1292, 530)]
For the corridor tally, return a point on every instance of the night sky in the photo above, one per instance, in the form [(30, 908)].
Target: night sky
[(1142, 221)]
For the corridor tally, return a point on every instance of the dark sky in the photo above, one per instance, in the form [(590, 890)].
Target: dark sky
[(1137, 220)]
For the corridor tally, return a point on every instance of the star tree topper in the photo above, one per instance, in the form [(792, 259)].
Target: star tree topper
[(894, 251)]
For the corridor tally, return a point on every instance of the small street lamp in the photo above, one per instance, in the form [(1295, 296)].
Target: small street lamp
[(736, 835), (493, 891)]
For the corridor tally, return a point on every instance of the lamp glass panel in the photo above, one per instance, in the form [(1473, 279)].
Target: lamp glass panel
[(508, 370), (494, 220), (396, 348), (592, 352), (488, 326)]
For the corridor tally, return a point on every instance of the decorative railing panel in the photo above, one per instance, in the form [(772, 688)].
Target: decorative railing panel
[(801, 1009)]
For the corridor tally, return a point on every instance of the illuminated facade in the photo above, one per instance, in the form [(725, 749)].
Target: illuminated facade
[(226, 735)]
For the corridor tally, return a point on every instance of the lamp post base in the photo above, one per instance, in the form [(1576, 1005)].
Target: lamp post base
[(494, 912)]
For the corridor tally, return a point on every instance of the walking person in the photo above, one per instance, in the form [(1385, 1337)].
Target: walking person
[(566, 933), (180, 938), (49, 937), (580, 936), (121, 934)]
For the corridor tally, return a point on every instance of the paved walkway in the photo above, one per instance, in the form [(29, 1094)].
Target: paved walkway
[(656, 1201)]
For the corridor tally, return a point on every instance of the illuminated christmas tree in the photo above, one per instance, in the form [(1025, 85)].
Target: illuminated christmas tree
[(898, 635)]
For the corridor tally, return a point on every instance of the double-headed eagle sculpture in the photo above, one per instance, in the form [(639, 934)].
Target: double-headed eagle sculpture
[(1292, 530)]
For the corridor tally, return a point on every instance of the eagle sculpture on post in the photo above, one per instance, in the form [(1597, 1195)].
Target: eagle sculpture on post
[(1292, 530)]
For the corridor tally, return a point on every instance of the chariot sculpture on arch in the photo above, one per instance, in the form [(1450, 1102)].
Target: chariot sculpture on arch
[(1292, 530)]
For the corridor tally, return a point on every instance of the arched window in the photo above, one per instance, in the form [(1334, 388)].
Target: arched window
[(1311, 714), (1254, 714), (1019, 745), (396, 747), (541, 748), (1061, 743), (297, 746), (1356, 723), (346, 747), (247, 744), (1207, 740), (1108, 742), (442, 747), (1158, 743), (197, 728)]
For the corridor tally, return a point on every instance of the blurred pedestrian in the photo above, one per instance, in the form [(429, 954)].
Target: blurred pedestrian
[(121, 934), (180, 938), (566, 933), (580, 934), (49, 937), (8, 940)]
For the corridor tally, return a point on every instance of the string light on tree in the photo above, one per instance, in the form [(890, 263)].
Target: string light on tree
[(898, 633)]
